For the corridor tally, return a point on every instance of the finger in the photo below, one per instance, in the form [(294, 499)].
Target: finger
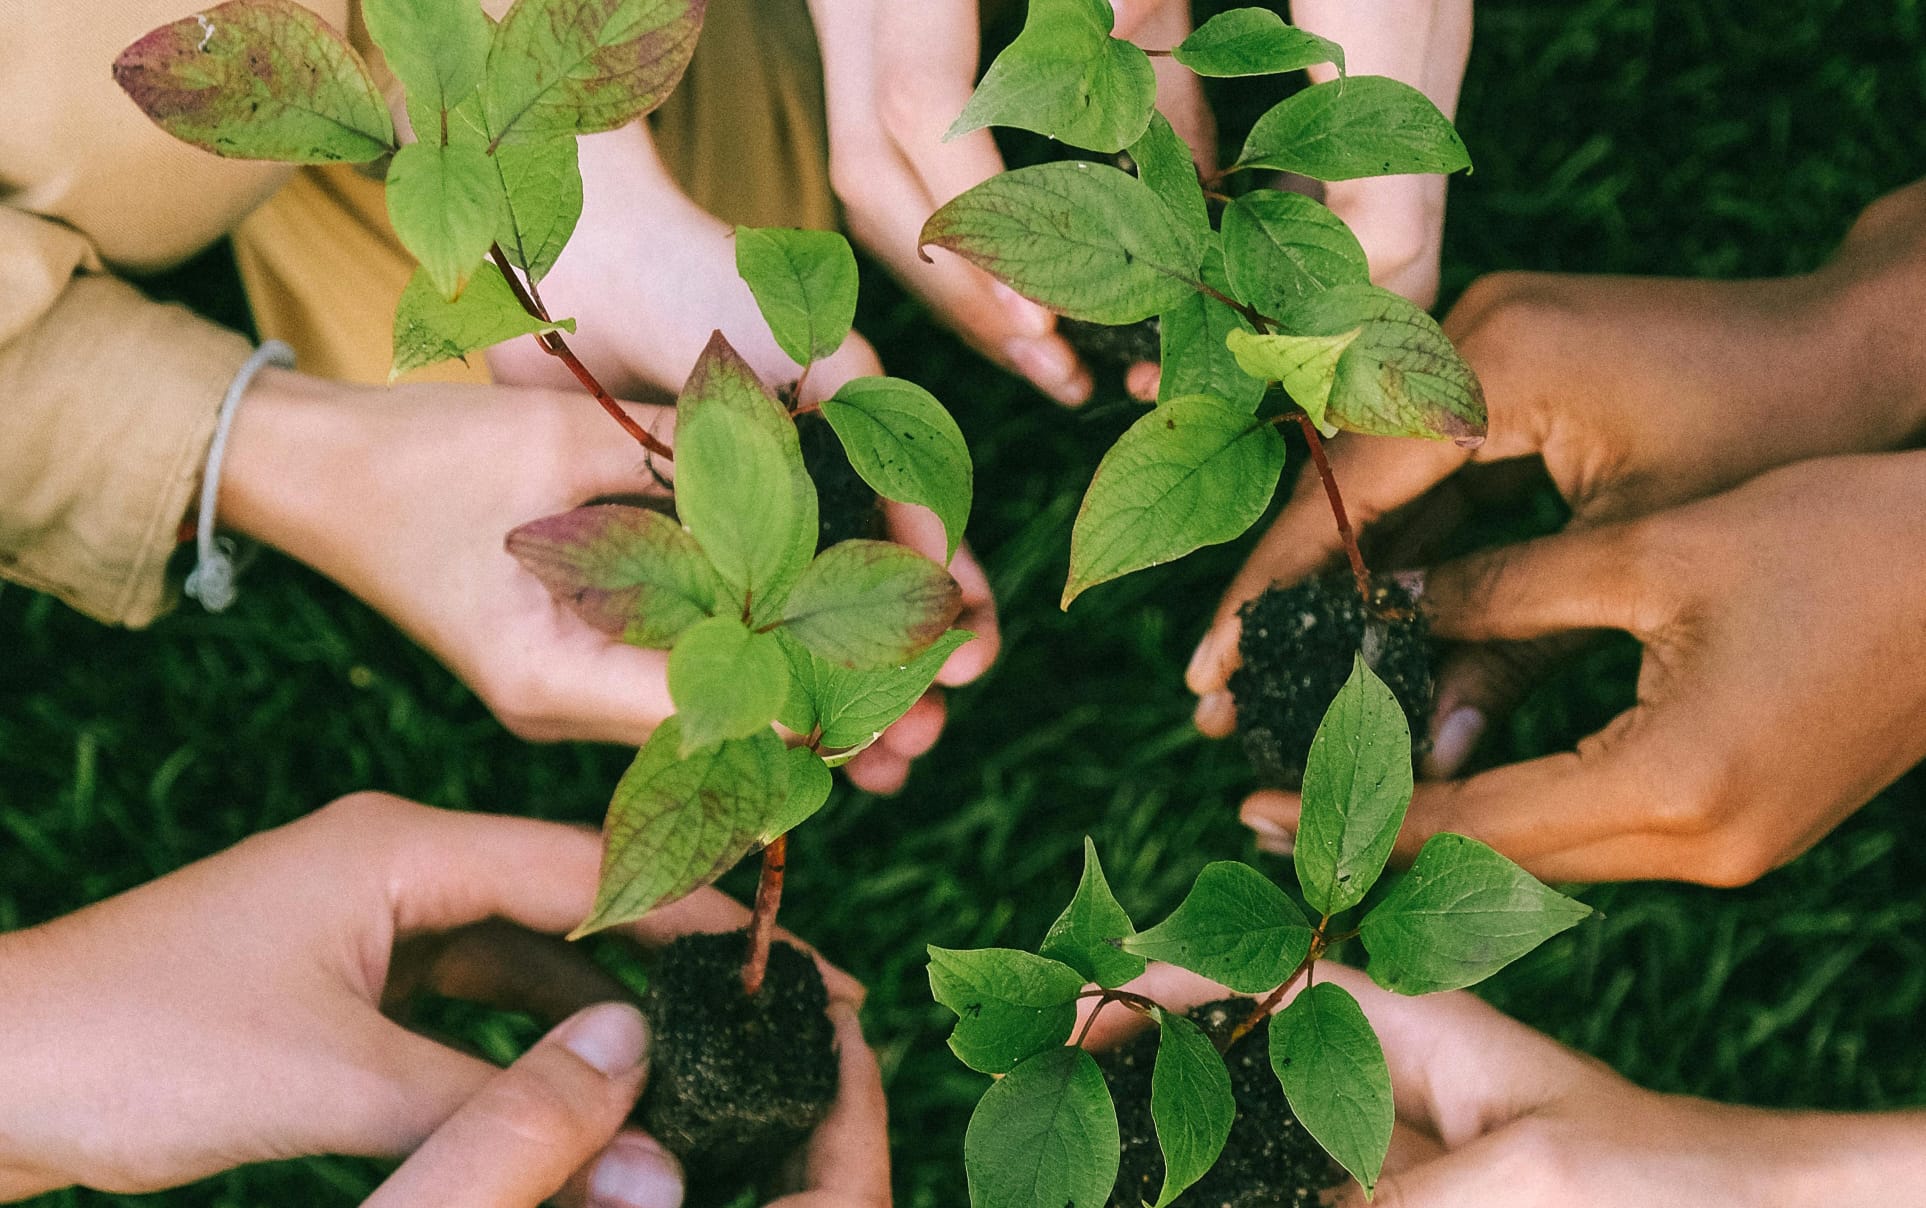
[(1530, 811), (847, 1165), (518, 1140), (1380, 473), (1591, 578), (578, 685), (607, 460), (1482, 682), (1476, 1176), (1143, 380), (879, 770), (975, 656), (1131, 16), (915, 732), (510, 968)]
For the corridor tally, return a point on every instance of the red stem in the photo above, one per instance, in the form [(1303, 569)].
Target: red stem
[(1262, 1010), (1350, 538), (762, 926), (554, 345)]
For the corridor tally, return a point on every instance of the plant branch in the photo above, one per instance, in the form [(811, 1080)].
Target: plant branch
[(1136, 1002), (762, 926), (1263, 1009), (1345, 532), (554, 345), (1257, 318)]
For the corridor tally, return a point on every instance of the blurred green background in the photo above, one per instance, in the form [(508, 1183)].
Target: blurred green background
[(1691, 137)]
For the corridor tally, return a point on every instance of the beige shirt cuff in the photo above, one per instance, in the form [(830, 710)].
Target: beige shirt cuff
[(107, 405)]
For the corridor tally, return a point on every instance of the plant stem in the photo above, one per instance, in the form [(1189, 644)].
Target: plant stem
[(554, 345), (1136, 1002), (1349, 537), (762, 926), (1263, 1010), (1257, 318)]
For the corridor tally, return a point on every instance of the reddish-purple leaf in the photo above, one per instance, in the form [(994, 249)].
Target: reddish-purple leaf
[(561, 67), (629, 572), (259, 79)]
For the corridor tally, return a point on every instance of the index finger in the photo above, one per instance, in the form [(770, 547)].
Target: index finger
[(847, 1164)]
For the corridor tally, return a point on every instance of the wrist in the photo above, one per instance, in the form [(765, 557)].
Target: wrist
[(291, 438), (1859, 1158)]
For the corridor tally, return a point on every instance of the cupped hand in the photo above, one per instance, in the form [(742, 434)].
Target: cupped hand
[(1491, 1114), (1634, 394), (895, 75), (232, 1012), (1783, 679)]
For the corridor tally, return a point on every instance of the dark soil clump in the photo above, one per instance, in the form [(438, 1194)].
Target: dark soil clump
[(846, 507), (735, 1083), (1297, 648), (1269, 1161), (1112, 347)]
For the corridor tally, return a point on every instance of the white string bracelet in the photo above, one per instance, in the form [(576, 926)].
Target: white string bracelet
[(212, 579)]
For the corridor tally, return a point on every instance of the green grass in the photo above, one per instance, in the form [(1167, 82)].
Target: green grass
[(1695, 138)]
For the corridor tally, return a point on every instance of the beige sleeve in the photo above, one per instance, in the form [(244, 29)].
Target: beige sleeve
[(107, 404)]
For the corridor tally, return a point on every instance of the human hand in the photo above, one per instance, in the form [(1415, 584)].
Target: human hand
[(232, 1011), (1635, 394), (1783, 681), (404, 497), (1493, 1114)]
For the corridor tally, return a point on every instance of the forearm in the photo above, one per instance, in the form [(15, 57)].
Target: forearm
[(1424, 43), (1859, 1158)]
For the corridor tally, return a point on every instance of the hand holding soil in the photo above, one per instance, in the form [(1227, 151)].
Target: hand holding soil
[(1788, 603), (259, 1031)]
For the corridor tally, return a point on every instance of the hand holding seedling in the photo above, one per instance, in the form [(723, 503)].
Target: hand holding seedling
[(1491, 1114), (258, 1030), (1635, 395), (1783, 680)]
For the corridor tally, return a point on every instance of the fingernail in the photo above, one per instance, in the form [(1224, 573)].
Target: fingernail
[(609, 1036), (1457, 734), (636, 1172), (1217, 714), (1030, 319), (1049, 363), (1270, 836)]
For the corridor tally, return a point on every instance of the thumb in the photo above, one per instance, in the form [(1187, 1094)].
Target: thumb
[(522, 1136), (1471, 1177)]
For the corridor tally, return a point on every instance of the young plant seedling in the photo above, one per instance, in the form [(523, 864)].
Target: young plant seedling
[(1276, 294), (1046, 1134), (761, 627)]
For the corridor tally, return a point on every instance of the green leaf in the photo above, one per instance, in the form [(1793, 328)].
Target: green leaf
[(1065, 77), (1193, 472), (580, 66), (1086, 240), (809, 785), (1460, 914), (429, 328), (1357, 783), (1085, 935), (1009, 1004), (1306, 366), (675, 825), (1346, 129), (853, 708), (804, 283), (740, 485), (1401, 377), (1334, 1074), (726, 682), (630, 572), (259, 79), (871, 604), (1164, 164), (1253, 41), (436, 48), (1044, 1136), (445, 204), (1280, 248), (906, 447), (540, 183), (1195, 358), (1190, 1103), (1234, 927)]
